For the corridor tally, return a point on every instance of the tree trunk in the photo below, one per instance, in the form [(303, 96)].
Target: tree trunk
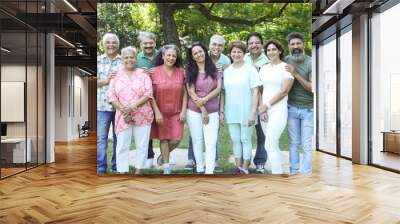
[(168, 25)]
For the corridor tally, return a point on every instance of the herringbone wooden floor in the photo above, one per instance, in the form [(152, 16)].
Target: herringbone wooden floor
[(70, 191)]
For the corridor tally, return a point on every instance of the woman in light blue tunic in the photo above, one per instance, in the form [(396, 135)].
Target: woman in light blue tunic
[(239, 105)]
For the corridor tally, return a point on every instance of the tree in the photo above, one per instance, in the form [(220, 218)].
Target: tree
[(183, 23)]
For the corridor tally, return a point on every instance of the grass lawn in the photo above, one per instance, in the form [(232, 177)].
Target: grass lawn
[(225, 145)]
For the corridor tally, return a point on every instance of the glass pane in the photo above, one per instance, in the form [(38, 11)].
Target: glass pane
[(385, 89), (346, 94), (31, 97), (41, 99), (327, 96), (13, 84)]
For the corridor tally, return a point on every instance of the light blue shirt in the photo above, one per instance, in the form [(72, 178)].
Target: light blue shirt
[(238, 84), (104, 66), (261, 60), (222, 60)]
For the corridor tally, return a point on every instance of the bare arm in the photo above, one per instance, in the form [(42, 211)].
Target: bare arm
[(182, 116), (215, 92), (307, 85), (255, 95), (105, 82), (285, 88)]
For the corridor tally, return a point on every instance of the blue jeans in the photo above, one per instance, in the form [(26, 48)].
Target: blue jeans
[(191, 154), (260, 158), (300, 128), (104, 119)]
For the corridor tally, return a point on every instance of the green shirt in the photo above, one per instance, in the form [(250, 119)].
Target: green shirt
[(142, 61), (261, 60), (298, 96)]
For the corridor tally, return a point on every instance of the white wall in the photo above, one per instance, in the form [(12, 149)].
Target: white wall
[(71, 94)]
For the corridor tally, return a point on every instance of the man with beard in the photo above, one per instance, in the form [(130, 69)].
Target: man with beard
[(145, 61), (257, 57), (300, 105), (107, 65)]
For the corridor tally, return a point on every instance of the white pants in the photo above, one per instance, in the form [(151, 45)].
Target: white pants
[(273, 129), (204, 132), (141, 135)]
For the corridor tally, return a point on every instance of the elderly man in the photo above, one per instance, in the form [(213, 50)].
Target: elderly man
[(221, 61), (300, 105), (107, 65), (145, 58), (257, 57)]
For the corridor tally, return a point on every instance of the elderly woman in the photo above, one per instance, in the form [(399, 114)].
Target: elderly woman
[(277, 83), (204, 86), (240, 83), (170, 101), (129, 92)]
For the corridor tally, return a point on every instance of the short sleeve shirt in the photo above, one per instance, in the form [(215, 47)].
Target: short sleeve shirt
[(222, 60), (238, 84), (144, 62), (272, 77), (127, 90), (104, 67), (204, 86), (261, 60)]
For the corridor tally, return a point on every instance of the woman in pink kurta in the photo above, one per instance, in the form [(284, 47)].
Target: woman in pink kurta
[(170, 101), (129, 92)]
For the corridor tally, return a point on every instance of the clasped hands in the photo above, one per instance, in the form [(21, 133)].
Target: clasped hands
[(127, 112)]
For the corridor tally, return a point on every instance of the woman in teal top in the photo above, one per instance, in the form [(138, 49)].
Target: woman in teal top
[(239, 105)]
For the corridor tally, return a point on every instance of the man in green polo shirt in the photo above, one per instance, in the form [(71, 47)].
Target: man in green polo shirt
[(257, 57), (144, 59), (300, 105)]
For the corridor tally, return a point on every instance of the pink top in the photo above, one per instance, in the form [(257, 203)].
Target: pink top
[(203, 87), (129, 90)]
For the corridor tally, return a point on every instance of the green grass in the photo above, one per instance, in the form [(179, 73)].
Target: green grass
[(225, 146)]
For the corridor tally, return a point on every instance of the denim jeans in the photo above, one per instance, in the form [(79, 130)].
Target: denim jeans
[(104, 119), (260, 158), (300, 128)]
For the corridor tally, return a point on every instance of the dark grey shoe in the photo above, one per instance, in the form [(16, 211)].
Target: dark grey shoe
[(218, 169), (189, 166)]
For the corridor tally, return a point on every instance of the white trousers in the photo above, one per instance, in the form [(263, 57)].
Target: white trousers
[(204, 132), (141, 135), (273, 129)]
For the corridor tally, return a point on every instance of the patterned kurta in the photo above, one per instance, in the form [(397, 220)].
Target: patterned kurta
[(127, 91)]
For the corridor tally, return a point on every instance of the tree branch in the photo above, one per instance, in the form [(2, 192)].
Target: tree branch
[(207, 13)]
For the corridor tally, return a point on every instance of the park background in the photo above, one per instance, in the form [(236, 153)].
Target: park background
[(184, 23)]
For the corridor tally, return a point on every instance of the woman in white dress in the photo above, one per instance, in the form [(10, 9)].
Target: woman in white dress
[(276, 82)]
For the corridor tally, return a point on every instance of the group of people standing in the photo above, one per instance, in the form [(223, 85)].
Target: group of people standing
[(150, 95)]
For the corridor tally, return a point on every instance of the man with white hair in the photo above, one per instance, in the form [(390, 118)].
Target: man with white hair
[(221, 61), (107, 65)]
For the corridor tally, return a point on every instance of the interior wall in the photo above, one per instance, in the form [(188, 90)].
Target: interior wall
[(71, 102)]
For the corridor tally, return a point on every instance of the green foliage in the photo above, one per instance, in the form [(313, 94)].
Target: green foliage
[(127, 19)]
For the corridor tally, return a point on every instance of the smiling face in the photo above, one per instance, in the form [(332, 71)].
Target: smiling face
[(147, 45), (216, 48), (129, 60), (254, 45), (169, 57), (111, 46), (237, 54), (198, 54), (273, 53)]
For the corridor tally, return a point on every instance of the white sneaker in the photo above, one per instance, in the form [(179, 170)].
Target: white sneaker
[(149, 163), (171, 160)]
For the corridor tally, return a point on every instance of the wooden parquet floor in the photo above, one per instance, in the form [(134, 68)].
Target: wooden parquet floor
[(69, 191)]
